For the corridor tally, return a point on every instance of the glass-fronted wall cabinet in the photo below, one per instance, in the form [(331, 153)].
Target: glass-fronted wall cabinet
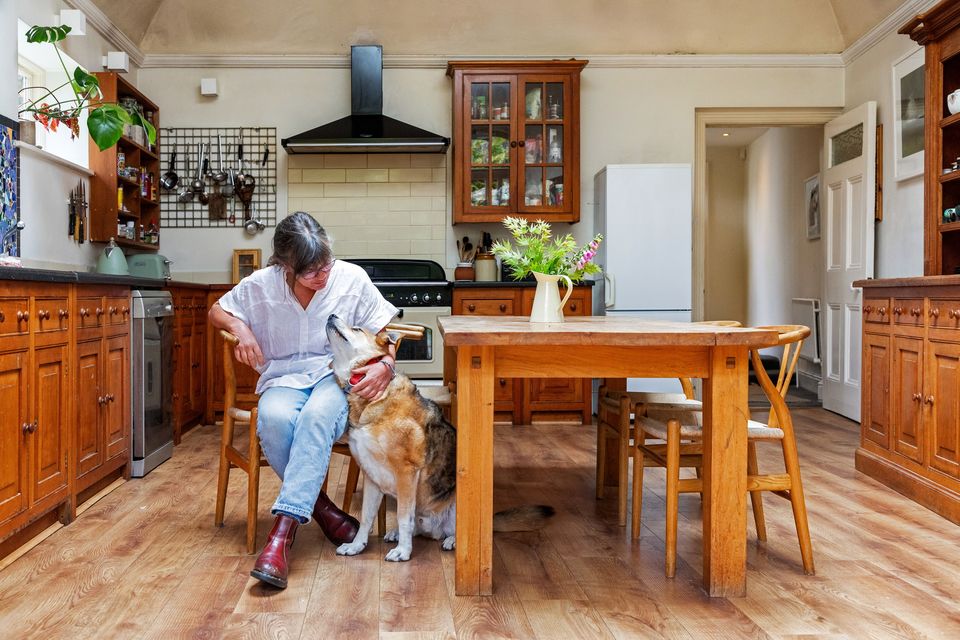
[(516, 143)]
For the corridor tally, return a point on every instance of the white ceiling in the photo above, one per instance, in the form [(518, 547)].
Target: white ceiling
[(496, 27), (736, 136)]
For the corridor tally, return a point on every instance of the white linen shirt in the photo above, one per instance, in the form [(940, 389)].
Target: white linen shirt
[(293, 340)]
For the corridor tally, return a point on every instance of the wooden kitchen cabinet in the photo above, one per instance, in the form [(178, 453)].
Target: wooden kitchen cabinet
[(101, 385), (516, 141), (910, 402), (535, 400), (189, 357)]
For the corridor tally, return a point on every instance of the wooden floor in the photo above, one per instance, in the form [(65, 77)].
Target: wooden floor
[(146, 562)]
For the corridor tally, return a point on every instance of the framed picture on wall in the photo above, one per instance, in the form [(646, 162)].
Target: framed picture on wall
[(908, 108), (811, 206)]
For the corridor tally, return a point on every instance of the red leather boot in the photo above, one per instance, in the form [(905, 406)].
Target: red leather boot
[(337, 525), (271, 567)]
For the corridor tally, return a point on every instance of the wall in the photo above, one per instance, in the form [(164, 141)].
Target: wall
[(899, 237), (8, 59), (628, 115), (725, 297)]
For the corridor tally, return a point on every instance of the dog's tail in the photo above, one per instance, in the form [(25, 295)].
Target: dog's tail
[(530, 517)]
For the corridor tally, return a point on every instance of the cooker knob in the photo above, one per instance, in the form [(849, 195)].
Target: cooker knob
[(426, 298), (437, 299), (413, 298)]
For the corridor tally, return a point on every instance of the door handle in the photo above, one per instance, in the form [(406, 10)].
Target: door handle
[(610, 293)]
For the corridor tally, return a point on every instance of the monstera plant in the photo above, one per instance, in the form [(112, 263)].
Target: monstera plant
[(105, 120)]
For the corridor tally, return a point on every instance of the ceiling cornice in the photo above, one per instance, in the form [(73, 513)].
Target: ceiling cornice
[(330, 61), (888, 25), (104, 25)]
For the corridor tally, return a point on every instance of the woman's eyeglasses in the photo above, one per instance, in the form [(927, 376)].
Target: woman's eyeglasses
[(314, 273)]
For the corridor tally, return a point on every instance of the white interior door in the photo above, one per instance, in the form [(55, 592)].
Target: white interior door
[(847, 195)]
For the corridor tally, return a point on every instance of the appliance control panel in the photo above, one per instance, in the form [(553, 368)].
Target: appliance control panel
[(416, 296)]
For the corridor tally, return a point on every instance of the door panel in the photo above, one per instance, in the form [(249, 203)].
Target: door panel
[(14, 387), (875, 424), (116, 409), (89, 434), (848, 183), (906, 397), (942, 400), (51, 411)]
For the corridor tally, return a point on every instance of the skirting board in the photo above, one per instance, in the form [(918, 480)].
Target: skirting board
[(940, 500)]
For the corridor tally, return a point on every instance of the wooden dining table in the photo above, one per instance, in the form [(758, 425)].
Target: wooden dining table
[(486, 348)]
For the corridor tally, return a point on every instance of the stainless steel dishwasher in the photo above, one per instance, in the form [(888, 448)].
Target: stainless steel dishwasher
[(152, 371)]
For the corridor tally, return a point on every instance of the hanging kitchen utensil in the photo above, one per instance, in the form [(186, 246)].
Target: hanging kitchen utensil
[(170, 179), (253, 226), (186, 190), (198, 180), (220, 176)]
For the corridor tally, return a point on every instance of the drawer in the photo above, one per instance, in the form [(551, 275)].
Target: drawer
[(487, 307), (14, 316), (944, 313), (118, 311), (576, 305), (52, 321), (90, 313), (908, 311), (876, 310)]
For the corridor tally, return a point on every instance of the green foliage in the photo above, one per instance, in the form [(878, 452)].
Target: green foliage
[(105, 120), (537, 251)]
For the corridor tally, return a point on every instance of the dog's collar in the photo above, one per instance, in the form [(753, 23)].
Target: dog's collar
[(357, 377)]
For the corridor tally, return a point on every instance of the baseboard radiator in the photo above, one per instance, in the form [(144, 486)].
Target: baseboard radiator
[(806, 311)]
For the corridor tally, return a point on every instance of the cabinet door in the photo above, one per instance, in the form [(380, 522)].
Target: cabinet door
[(48, 442), (116, 389), (906, 397), (546, 144), (943, 403), (875, 405), (89, 433), (14, 389), (198, 347), (488, 157)]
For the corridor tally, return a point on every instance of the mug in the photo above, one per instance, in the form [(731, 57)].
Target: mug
[(953, 102)]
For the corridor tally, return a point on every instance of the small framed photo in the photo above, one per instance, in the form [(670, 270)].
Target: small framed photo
[(245, 262), (811, 206), (908, 111)]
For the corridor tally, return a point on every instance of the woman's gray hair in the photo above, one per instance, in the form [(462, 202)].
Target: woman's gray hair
[(300, 244)]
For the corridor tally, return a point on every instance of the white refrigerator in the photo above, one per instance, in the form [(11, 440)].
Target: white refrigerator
[(645, 213)]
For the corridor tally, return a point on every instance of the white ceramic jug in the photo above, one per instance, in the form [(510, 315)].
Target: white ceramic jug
[(953, 102), (547, 305)]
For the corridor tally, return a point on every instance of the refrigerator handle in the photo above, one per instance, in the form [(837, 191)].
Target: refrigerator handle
[(610, 291)]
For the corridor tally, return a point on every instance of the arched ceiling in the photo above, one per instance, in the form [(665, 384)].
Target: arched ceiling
[(496, 27)]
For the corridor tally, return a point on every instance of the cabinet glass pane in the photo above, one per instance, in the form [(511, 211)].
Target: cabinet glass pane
[(479, 188), (554, 186), (554, 149), (533, 144), (554, 101), (500, 145), (479, 145), (500, 101), (533, 189), (479, 100), (534, 101), (500, 191)]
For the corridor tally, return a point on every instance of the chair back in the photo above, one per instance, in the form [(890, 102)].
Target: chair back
[(230, 395), (791, 337)]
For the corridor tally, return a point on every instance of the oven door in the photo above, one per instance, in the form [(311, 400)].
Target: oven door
[(422, 359)]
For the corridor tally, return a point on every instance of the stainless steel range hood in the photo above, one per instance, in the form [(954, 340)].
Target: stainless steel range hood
[(366, 129)]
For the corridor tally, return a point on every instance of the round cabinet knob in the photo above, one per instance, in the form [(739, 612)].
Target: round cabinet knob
[(113, 311), (110, 397), (125, 310), (954, 313), (935, 312), (882, 311), (63, 313), (471, 307), (43, 314), (868, 309), (98, 311), (503, 308), (573, 306), (929, 400), (23, 316), (917, 397), (916, 312), (101, 400), (513, 144), (503, 382), (25, 427), (2, 316), (522, 142), (897, 311), (84, 312)]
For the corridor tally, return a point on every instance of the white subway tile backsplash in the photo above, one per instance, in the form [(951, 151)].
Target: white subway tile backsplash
[(409, 204), (429, 218), (411, 175), (388, 161), (430, 160), (419, 189), (346, 190), (305, 162), (294, 176), (386, 189), (345, 161), (439, 175), (367, 175), (324, 175)]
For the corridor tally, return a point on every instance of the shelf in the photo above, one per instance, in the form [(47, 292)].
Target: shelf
[(127, 181), (127, 141), (135, 244), (153, 203), (950, 120), (128, 214), (949, 226), (950, 177)]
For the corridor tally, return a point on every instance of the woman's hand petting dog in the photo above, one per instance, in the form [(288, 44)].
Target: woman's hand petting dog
[(375, 379), (247, 350)]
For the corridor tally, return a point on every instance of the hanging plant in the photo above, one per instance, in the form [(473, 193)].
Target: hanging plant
[(105, 120)]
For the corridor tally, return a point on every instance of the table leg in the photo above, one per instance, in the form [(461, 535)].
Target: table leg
[(474, 553), (725, 473), (611, 469)]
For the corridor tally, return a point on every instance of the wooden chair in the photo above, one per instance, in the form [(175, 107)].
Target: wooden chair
[(232, 457), (680, 427), (615, 409)]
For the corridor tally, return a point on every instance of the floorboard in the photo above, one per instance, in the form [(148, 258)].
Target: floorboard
[(145, 561)]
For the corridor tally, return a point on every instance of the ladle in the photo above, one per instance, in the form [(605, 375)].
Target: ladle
[(170, 179)]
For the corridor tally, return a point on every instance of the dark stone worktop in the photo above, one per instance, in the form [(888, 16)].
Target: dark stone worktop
[(509, 284), (23, 274)]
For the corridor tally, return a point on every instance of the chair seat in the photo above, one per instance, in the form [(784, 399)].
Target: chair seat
[(658, 429)]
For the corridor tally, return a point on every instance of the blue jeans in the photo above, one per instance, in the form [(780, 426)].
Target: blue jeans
[(297, 429)]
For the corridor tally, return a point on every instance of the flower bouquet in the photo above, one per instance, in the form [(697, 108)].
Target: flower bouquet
[(538, 252)]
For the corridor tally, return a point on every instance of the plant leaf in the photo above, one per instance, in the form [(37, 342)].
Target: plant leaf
[(105, 124), (138, 119), (85, 84), (47, 34)]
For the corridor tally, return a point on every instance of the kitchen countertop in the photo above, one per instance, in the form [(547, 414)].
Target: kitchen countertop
[(81, 277), (509, 284)]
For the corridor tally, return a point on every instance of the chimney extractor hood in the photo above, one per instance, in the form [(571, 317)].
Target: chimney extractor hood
[(366, 129)]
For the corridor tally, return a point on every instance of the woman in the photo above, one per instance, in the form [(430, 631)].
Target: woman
[(278, 314)]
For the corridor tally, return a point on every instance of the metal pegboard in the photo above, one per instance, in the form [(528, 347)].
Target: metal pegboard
[(255, 140)]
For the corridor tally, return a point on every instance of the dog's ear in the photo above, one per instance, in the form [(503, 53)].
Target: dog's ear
[(385, 337)]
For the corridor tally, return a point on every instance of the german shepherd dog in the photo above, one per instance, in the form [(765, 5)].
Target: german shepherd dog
[(407, 450)]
